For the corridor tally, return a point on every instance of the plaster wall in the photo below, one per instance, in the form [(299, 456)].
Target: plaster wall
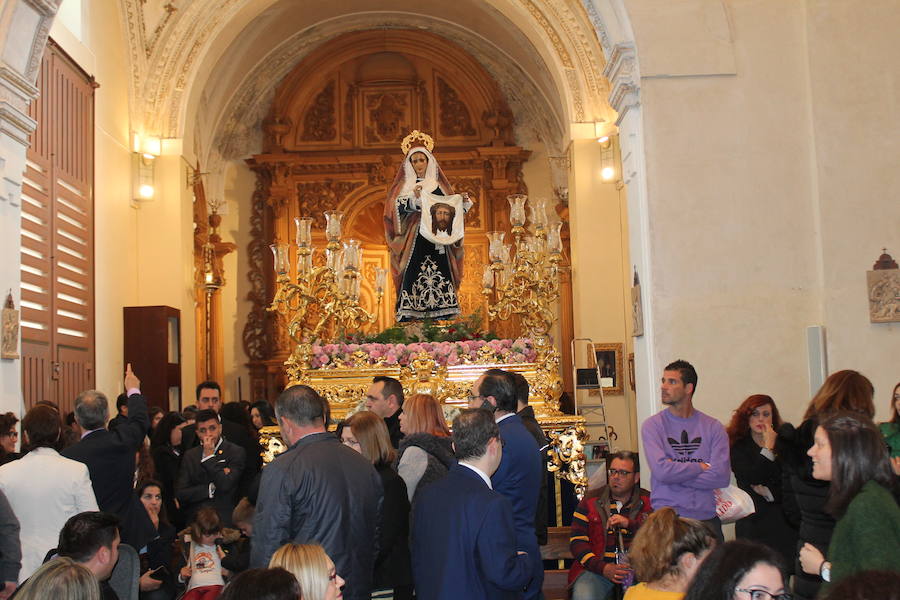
[(599, 229), (855, 91), (731, 205), (769, 185), (117, 274), (139, 249)]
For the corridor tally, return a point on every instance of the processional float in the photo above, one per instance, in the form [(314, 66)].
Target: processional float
[(319, 304)]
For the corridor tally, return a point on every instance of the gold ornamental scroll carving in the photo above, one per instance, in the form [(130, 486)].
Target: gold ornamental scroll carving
[(345, 386)]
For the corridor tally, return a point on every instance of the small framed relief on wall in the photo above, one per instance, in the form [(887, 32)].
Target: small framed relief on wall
[(884, 290), (9, 343), (608, 360)]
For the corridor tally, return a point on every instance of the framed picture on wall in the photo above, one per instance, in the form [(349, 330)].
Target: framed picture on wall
[(608, 358)]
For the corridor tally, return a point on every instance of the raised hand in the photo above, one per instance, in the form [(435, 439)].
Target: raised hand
[(131, 380)]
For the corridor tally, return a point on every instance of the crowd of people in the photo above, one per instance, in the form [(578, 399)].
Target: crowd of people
[(157, 505)]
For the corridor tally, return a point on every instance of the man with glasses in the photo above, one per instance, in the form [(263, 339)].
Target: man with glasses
[(603, 515)]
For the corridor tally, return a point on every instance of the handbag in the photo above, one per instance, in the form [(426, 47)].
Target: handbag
[(733, 504)]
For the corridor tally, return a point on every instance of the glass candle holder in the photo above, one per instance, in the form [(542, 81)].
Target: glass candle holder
[(487, 278), (304, 231), (495, 244), (282, 259), (380, 280), (517, 209), (305, 261), (539, 213), (352, 253), (554, 238), (333, 220)]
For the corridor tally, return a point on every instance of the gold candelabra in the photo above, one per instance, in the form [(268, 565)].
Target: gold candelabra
[(525, 283), (325, 298)]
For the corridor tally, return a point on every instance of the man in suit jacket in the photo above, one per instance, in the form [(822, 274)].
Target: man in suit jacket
[(122, 410), (209, 396), (463, 537), (519, 475), (210, 472), (526, 413), (109, 456)]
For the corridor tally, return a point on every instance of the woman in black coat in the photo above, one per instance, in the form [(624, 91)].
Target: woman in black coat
[(165, 450), (805, 496), (366, 433), (756, 464), (157, 559)]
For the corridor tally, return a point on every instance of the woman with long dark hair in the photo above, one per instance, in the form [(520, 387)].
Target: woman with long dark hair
[(848, 450), (165, 449), (757, 468), (740, 570), (804, 495), (367, 433), (891, 429), (262, 415), (156, 582)]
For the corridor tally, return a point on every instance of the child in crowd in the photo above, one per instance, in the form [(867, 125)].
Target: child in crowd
[(203, 572)]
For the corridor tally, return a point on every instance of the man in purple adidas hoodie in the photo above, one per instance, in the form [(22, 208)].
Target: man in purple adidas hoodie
[(686, 450)]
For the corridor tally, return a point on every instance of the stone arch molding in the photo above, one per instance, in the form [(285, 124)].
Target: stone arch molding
[(174, 44)]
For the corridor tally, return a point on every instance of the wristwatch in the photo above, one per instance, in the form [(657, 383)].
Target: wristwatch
[(825, 571)]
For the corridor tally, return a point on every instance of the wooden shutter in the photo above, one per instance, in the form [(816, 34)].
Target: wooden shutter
[(58, 237)]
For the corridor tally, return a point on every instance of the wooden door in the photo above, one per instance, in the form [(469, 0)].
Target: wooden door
[(58, 237)]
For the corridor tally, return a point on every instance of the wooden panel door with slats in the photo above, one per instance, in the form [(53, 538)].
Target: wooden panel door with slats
[(58, 237)]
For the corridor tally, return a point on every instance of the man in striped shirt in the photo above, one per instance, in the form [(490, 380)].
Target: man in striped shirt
[(604, 513)]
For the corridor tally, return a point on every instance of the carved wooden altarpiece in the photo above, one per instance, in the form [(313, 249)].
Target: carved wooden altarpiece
[(332, 141)]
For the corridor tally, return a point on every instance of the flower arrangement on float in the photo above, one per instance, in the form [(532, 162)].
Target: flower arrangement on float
[(445, 353)]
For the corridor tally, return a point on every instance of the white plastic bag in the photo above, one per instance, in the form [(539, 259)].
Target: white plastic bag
[(733, 504)]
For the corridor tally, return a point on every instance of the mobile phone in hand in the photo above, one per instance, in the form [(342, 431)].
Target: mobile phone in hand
[(159, 573)]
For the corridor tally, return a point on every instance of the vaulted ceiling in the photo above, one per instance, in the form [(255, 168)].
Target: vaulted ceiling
[(206, 70)]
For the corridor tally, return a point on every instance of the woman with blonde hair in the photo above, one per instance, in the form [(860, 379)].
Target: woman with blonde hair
[(666, 553), (426, 452), (367, 433), (313, 569), (804, 496), (61, 579)]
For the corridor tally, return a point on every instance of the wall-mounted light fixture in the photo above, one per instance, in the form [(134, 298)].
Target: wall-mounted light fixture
[(144, 150), (607, 158)]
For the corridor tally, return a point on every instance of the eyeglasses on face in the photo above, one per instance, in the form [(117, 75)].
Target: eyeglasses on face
[(471, 397), (12, 434), (620, 472), (758, 594)]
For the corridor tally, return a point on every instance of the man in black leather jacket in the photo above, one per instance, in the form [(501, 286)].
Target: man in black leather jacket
[(318, 491)]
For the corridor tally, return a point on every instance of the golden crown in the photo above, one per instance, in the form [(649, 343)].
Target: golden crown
[(417, 138)]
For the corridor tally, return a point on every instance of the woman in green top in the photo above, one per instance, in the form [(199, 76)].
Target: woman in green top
[(849, 452), (891, 430)]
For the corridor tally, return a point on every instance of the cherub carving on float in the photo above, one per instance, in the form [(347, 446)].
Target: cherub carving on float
[(424, 228)]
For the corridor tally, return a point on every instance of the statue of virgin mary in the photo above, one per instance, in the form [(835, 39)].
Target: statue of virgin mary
[(423, 222)]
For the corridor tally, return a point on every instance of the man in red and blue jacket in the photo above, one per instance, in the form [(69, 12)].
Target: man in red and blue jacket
[(619, 507)]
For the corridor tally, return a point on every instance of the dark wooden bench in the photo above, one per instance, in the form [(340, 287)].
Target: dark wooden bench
[(556, 548)]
